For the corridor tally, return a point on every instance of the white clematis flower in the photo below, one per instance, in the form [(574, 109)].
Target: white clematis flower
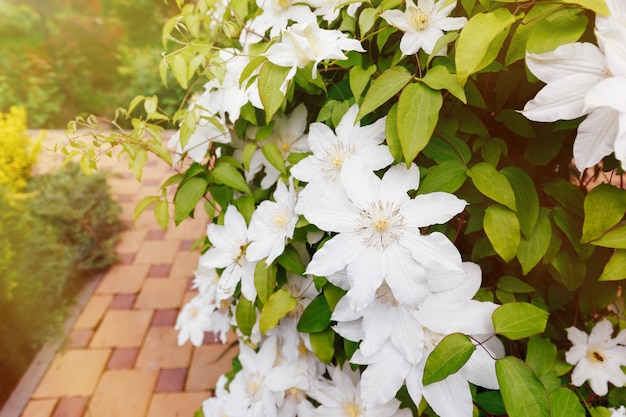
[(272, 223), (597, 357), (423, 24), (229, 244), (378, 234), (276, 17), (288, 135), (583, 79), (331, 150), (200, 315), (341, 397), (441, 314), (303, 43), (330, 9)]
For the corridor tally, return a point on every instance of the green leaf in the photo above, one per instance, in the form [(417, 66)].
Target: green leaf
[(597, 6), (418, 113), (519, 320), (143, 205), (565, 403), (271, 78), (570, 269), (323, 344), (162, 214), (522, 392), (187, 197), (613, 239), (572, 227), (448, 177), (245, 205), (439, 78), (493, 184), (531, 250), (247, 153), (290, 260), (179, 69), (264, 280), (480, 40), (526, 198), (387, 85), (567, 195), (515, 285), (359, 78), (277, 306), (333, 295), (540, 355), (561, 26), (316, 316), (604, 207), (615, 269), (448, 357), (274, 156), (245, 314), (367, 18), (226, 174), (502, 229), (391, 131), (441, 149)]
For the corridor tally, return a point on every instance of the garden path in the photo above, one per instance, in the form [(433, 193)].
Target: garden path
[(121, 357)]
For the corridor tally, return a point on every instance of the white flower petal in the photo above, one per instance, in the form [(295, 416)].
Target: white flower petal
[(335, 254), (450, 398), (566, 60), (432, 208), (562, 99), (596, 137)]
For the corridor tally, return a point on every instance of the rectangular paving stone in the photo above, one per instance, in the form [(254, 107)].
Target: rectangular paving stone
[(160, 350), (39, 408), (125, 258), (122, 301), (159, 271), (180, 404), (122, 328), (161, 293), (71, 407), (123, 358), (190, 228), (123, 279), (130, 240), (73, 373), (184, 265), (123, 393), (164, 318), (153, 252), (171, 380), (78, 338), (157, 234), (93, 312), (204, 371)]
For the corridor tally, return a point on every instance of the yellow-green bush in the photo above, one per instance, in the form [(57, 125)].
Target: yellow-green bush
[(18, 151)]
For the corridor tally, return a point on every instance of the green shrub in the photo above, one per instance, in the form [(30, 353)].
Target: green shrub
[(49, 243)]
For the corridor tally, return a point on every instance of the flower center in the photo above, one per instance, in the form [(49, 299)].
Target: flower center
[(254, 387), (418, 18), (595, 356), (193, 312), (283, 4), (352, 409), (335, 156), (281, 217), (380, 224)]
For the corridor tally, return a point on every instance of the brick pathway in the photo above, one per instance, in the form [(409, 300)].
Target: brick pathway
[(121, 358)]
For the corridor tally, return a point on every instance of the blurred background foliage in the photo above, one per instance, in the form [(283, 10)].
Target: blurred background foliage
[(56, 231), (62, 58)]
